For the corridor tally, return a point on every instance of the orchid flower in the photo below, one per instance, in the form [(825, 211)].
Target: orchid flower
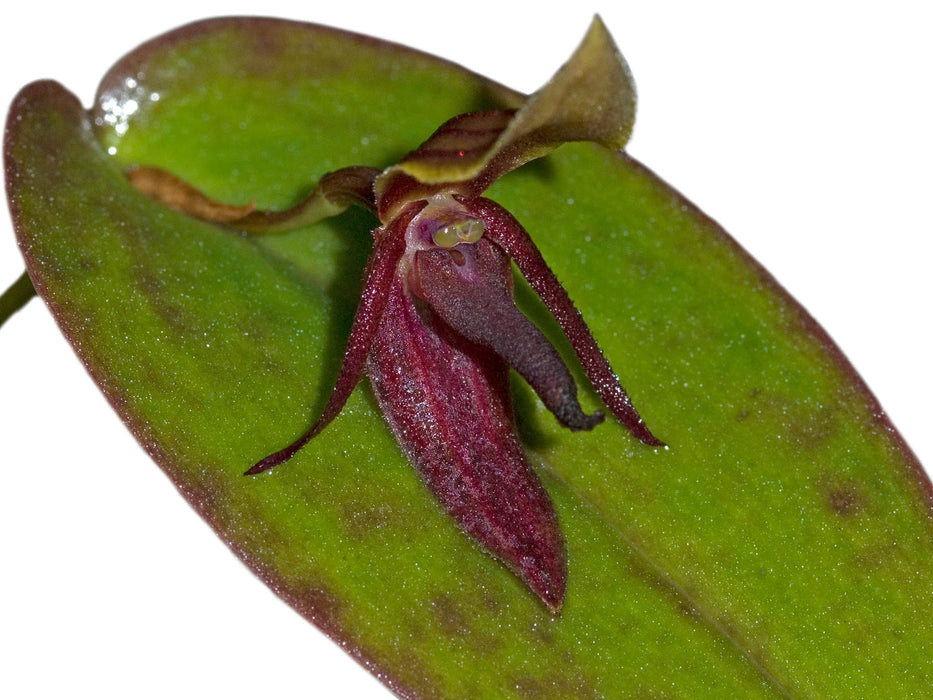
[(437, 329)]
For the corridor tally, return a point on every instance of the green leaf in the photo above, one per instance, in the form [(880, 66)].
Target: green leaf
[(781, 546)]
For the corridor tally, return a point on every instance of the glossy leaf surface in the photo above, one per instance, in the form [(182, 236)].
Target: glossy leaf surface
[(781, 546)]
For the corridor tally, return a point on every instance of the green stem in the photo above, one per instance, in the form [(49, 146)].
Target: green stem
[(15, 297)]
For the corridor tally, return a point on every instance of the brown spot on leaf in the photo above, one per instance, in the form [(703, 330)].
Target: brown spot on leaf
[(449, 617), (805, 424), (491, 602), (889, 555), (842, 496), (461, 618), (362, 518), (555, 686), (845, 501), (153, 288), (543, 634), (811, 429)]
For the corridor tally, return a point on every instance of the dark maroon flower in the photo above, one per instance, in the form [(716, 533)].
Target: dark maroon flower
[(437, 329)]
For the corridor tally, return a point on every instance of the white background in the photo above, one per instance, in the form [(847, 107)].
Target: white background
[(805, 131)]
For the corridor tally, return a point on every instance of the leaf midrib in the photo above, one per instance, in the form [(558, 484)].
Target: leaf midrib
[(702, 611)]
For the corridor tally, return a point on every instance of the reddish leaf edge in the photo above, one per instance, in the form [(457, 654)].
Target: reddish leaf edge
[(807, 325), (316, 604)]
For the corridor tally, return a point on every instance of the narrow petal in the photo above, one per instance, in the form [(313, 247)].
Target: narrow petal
[(470, 289), (502, 228), (334, 193), (378, 279), (447, 403)]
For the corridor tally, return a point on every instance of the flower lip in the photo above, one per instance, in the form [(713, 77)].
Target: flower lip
[(470, 288)]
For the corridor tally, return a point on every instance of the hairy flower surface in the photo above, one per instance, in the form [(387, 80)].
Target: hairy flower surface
[(437, 329)]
